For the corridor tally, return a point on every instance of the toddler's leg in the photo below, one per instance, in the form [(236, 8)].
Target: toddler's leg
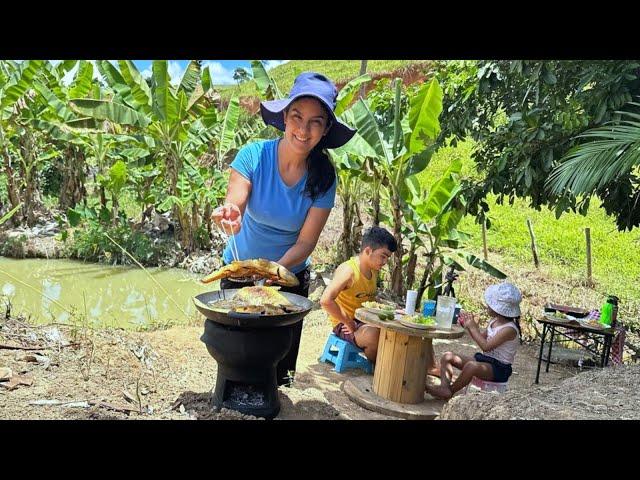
[(472, 369), (433, 368), (447, 362)]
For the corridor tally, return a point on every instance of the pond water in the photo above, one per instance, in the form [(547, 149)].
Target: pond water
[(69, 291)]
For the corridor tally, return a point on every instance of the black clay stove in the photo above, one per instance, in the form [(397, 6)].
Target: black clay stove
[(247, 348)]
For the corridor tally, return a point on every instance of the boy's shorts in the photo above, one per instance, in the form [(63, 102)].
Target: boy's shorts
[(349, 337)]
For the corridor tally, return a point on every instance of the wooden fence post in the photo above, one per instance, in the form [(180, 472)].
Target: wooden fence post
[(363, 70), (587, 234), (534, 249)]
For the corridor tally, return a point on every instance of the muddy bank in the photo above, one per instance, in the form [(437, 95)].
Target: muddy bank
[(43, 241)]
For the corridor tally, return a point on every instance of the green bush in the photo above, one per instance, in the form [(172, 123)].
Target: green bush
[(13, 247), (51, 179), (4, 196), (201, 236), (92, 244)]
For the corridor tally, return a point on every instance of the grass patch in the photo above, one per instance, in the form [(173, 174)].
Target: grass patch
[(561, 242), (336, 70)]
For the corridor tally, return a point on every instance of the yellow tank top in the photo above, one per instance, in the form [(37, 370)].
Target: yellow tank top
[(362, 290)]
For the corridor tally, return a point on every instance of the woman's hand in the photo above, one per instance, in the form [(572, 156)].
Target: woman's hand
[(228, 217)]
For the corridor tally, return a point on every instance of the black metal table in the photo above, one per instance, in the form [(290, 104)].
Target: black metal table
[(561, 327)]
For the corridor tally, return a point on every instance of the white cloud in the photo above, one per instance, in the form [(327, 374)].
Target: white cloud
[(269, 64), (175, 72), (219, 74), (146, 73)]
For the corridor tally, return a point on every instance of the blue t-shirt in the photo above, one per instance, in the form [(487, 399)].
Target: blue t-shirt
[(275, 212)]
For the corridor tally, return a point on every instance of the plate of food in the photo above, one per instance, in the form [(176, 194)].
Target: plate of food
[(576, 312), (560, 317), (382, 310), (593, 323), (418, 321)]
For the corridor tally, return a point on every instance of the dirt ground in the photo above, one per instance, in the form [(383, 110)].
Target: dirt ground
[(168, 374), (76, 373)]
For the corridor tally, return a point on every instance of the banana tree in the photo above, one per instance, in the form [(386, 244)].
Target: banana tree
[(114, 183), (350, 187), (142, 179), (181, 121), (59, 121), (266, 85), (401, 150), (9, 214), (349, 163), (436, 218), (16, 98)]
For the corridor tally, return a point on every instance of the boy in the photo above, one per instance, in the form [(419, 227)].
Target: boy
[(354, 283)]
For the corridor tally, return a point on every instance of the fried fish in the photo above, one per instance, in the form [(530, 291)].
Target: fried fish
[(255, 268)]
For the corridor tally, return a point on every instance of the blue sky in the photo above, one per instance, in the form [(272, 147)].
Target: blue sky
[(221, 70)]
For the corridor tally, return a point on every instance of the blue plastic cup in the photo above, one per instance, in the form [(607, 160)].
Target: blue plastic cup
[(429, 308)]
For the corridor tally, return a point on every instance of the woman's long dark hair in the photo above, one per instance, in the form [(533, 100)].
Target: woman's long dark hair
[(320, 173)]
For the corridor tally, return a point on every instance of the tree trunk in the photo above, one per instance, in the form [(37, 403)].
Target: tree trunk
[(196, 222), (207, 218), (376, 209), (356, 230), (72, 190), (428, 269), (411, 266), (397, 275), (173, 165), (114, 209), (186, 231), (344, 243), (30, 202), (12, 190), (29, 177), (375, 194)]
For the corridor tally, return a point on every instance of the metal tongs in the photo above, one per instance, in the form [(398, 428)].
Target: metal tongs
[(236, 256)]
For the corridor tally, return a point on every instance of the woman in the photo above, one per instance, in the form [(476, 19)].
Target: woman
[(281, 191)]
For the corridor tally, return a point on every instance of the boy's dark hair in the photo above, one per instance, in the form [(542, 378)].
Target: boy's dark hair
[(377, 237)]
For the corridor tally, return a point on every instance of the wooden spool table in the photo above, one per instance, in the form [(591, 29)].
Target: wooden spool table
[(401, 369)]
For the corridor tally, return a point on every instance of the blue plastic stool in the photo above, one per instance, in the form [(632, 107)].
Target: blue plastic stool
[(344, 355)]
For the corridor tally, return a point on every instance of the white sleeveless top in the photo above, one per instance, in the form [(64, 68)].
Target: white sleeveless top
[(505, 352)]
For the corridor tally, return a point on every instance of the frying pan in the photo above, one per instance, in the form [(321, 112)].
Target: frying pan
[(251, 320)]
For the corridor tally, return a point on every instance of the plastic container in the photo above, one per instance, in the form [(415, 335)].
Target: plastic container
[(428, 308), (456, 313), (606, 313), (445, 310), (410, 303)]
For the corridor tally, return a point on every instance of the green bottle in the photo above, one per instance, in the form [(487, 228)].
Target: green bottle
[(606, 316)]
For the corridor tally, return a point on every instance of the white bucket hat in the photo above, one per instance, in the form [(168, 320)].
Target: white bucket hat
[(504, 299)]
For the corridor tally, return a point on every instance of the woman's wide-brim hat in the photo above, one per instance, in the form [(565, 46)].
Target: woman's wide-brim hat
[(310, 84)]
